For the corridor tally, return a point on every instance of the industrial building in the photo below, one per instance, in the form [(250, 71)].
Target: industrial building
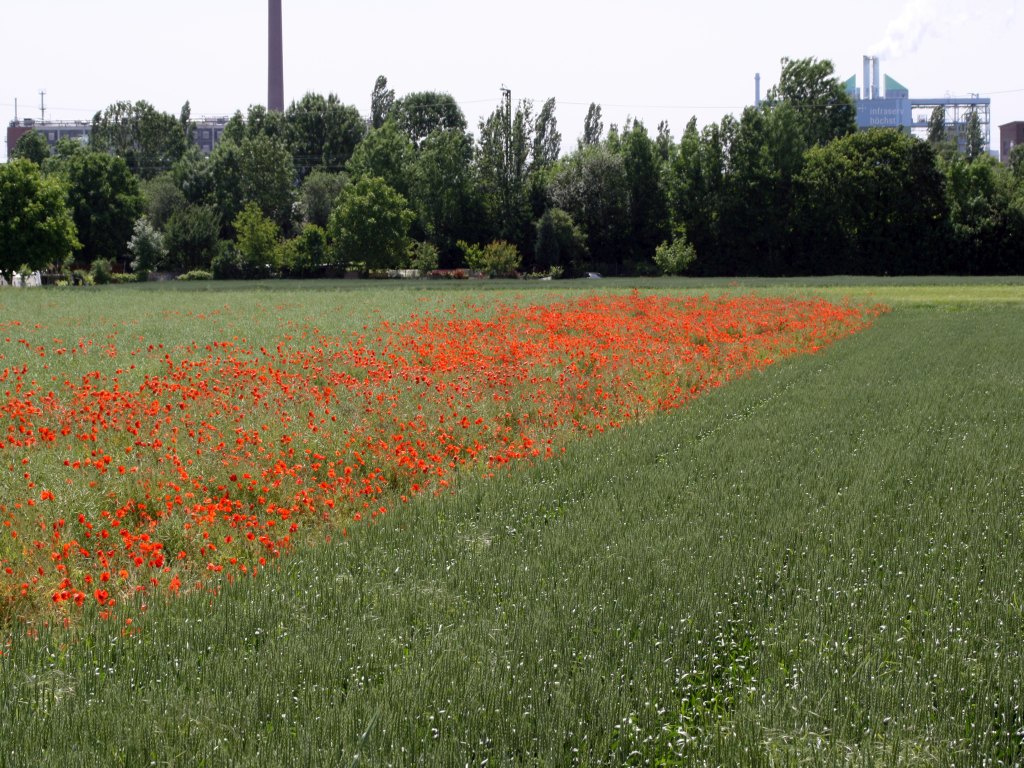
[(207, 131), (1010, 135), (896, 108)]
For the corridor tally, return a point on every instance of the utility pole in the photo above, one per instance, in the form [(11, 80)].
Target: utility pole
[(42, 106)]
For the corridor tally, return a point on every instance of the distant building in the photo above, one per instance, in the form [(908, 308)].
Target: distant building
[(1010, 135), (895, 108), (206, 134)]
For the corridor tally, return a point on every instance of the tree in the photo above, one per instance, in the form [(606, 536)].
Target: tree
[(105, 201), (441, 188), (974, 143), (321, 133), (147, 247), (161, 198), (258, 121), (695, 182), (193, 175), (870, 203), (985, 225), (503, 163), (547, 141), (386, 152), (560, 243), (824, 108), (420, 114), (496, 259), (937, 126), (370, 225), (31, 146), (36, 227), (592, 127), (192, 238), (319, 194), (381, 101), (648, 204), (675, 257), (255, 242), (149, 141), (591, 185), (259, 170), (765, 154)]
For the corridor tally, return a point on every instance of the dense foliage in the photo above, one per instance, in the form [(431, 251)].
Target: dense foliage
[(786, 188)]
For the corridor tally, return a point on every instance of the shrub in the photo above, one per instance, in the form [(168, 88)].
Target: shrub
[(196, 274), (499, 258), (101, 271), (674, 258), (423, 256)]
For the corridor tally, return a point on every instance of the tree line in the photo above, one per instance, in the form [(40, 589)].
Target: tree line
[(788, 187)]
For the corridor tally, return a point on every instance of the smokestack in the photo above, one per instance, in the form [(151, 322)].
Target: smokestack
[(874, 79), (275, 60), (866, 83), (757, 89)]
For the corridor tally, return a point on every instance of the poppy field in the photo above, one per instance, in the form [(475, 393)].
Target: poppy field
[(380, 525)]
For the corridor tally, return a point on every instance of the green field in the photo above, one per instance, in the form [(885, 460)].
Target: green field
[(820, 564)]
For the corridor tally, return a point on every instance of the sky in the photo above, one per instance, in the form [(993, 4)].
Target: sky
[(651, 60)]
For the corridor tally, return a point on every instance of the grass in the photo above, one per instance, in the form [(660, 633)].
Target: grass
[(820, 564)]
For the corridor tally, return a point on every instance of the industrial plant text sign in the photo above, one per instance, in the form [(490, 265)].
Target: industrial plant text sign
[(884, 113)]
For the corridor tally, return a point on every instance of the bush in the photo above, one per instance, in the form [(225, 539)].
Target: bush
[(499, 258), (423, 256), (674, 258), (120, 278), (101, 271), (147, 247), (196, 274)]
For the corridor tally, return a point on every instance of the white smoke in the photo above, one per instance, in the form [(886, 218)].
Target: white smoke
[(919, 20)]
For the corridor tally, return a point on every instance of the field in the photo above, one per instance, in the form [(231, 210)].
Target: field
[(759, 557)]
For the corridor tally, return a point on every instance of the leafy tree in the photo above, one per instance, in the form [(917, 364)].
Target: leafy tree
[(386, 152), (258, 121), (161, 197), (318, 195), (381, 101), (592, 127), (36, 227), (974, 142), (258, 170), (985, 225), (305, 253), (149, 141), (560, 243), (193, 175), (937, 126), (648, 203), (420, 114), (147, 247), (255, 242), (370, 225), (592, 186), (504, 160), (321, 133), (824, 108), (105, 201), (192, 237), (870, 203), (31, 146), (547, 141), (695, 180), (423, 256), (675, 257), (765, 154), (499, 258), (441, 188)]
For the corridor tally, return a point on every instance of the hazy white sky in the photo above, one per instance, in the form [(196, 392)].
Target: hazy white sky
[(650, 59)]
